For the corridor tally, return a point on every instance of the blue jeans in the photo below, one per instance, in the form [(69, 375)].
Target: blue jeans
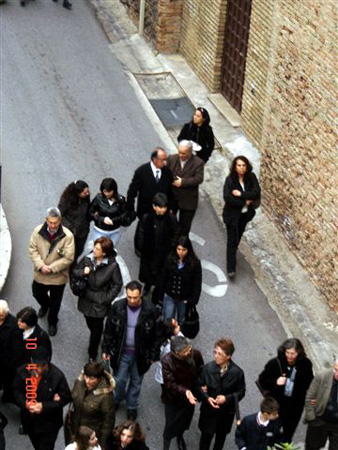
[(114, 235), (128, 368), (173, 308)]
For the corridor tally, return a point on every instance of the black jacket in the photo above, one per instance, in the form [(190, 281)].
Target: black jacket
[(6, 330), (76, 219), (181, 284), (202, 135), (117, 212), (156, 238), (146, 341), (272, 371), (253, 436), (233, 205), (53, 382), (103, 285), (144, 187)]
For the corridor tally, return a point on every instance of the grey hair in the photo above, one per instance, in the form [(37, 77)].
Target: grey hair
[(53, 212), (4, 306), (185, 143), (178, 343)]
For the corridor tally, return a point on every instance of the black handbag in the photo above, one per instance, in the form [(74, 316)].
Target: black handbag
[(265, 392), (191, 325), (78, 286)]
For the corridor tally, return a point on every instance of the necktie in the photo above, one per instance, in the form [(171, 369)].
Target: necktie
[(157, 178)]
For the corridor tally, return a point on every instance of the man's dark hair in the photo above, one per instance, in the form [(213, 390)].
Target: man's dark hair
[(28, 315), (134, 285), (154, 154), (269, 405), (160, 200)]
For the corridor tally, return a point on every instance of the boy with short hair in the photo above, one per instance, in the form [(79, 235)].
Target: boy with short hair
[(260, 430)]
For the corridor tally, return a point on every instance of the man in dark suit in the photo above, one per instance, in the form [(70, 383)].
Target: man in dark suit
[(148, 180), (188, 173)]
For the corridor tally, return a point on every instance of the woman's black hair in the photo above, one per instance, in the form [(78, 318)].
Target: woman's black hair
[(71, 194), (28, 316), (205, 115), (191, 258), (292, 343), (233, 172), (109, 184)]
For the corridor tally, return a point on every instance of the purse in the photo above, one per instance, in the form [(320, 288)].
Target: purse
[(191, 325), (266, 392), (79, 286)]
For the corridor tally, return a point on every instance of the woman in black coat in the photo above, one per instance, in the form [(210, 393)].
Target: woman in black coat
[(180, 368), (221, 386), (287, 378), (74, 207), (200, 132), (158, 233), (241, 190), (109, 212), (104, 282), (127, 435), (181, 281)]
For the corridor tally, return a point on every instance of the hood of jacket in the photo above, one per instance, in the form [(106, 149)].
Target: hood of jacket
[(106, 384)]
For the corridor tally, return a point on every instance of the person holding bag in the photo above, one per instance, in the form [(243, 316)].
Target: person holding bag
[(103, 283)]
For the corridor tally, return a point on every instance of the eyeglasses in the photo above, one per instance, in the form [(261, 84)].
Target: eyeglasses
[(216, 353)]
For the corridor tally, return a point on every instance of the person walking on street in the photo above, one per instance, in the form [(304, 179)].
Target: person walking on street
[(74, 207), (221, 386), (321, 410), (41, 416), (127, 435), (66, 4), (188, 173), (287, 378), (52, 251), (109, 212), (148, 180), (241, 190), (103, 283), (85, 439), (199, 131), (130, 343), (8, 324), (180, 368)]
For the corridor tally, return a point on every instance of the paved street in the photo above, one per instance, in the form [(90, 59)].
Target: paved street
[(69, 112)]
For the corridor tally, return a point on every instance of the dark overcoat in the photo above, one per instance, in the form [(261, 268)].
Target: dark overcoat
[(202, 135)]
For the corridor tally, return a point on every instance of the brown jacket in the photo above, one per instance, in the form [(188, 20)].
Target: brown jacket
[(319, 390), (58, 255), (192, 176)]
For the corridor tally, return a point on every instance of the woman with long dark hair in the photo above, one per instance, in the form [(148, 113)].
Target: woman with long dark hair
[(109, 212), (127, 435), (199, 131), (241, 189), (287, 377), (74, 207), (85, 439), (181, 281), (104, 282)]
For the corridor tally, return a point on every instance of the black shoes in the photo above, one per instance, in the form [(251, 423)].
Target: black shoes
[(67, 5), (132, 414), (42, 312), (231, 275), (52, 330)]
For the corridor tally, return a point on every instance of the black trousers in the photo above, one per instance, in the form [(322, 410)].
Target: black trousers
[(95, 325), (49, 296), (42, 441), (235, 230), (318, 432), (220, 436), (185, 220)]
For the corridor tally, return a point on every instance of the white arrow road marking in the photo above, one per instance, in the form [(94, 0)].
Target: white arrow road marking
[(220, 289)]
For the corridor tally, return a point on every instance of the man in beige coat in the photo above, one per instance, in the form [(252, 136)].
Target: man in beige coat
[(51, 250), (188, 173), (321, 410)]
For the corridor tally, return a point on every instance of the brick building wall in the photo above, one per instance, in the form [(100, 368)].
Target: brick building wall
[(299, 172), (202, 39)]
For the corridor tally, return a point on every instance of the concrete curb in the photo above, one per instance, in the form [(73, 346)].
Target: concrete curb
[(5, 248), (278, 273)]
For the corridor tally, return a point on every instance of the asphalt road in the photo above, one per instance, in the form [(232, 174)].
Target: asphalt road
[(69, 112)]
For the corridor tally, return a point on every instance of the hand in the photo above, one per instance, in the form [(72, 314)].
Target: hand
[(108, 221), (105, 356), (213, 403), (236, 193), (190, 397), (220, 399), (36, 409), (177, 182), (281, 380), (86, 270), (248, 202), (45, 269), (56, 398)]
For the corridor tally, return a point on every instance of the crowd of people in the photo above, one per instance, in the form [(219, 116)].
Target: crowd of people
[(149, 323)]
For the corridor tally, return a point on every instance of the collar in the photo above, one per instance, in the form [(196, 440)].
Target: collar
[(261, 422), (155, 169)]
